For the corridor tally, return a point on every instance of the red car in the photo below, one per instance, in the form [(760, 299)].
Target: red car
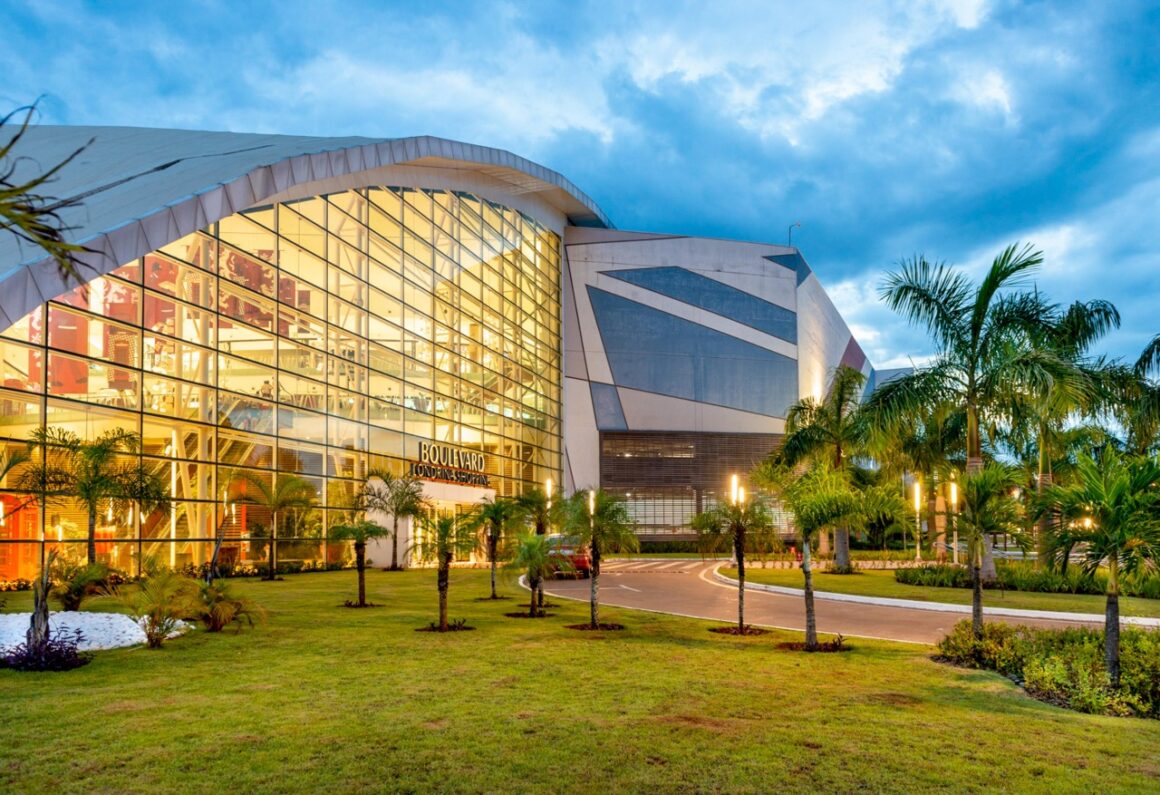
[(569, 559)]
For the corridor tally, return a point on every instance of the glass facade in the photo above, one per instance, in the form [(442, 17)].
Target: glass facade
[(325, 337)]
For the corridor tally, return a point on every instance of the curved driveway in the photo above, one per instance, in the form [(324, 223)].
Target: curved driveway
[(687, 588)]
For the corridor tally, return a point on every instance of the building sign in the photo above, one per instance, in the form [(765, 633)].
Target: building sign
[(438, 462)]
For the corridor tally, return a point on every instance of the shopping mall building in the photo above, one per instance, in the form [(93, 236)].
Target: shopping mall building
[(332, 306)]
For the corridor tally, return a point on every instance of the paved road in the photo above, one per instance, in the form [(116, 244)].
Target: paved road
[(687, 588)]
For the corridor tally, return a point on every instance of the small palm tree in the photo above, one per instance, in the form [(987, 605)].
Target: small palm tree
[(1111, 512), (833, 428), (542, 510), (354, 526), (288, 493), (66, 467), (532, 555), (441, 540), (731, 524), (401, 497), (988, 509), (495, 518), (600, 521)]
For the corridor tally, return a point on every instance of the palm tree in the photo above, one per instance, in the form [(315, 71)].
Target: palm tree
[(94, 473), (731, 523), (356, 527), (819, 499), (532, 555), (288, 493), (988, 509), (984, 337), (600, 521), (495, 518), (441, 540), (401, 497), (833, 428), (542, 510), (1112, 513)]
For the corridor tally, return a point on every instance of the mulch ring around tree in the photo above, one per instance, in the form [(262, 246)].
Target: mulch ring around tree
[(597, 628), (452, 627), (749, 630), (825, 647), (526, 614), (356, 605)]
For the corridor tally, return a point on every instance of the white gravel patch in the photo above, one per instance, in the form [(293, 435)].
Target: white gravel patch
[(101, 630)]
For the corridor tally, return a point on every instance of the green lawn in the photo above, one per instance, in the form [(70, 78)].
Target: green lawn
[(882, 583), (327, 699)]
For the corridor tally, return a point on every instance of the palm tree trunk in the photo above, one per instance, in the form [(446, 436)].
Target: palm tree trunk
[(1043, 534), (1112, 627), (811, 618), (936, 535), (271, 556), (444, 583), (541, 528), (595, 587), (842, 550), (395, 543), (976, 597), (739, 553), (533, 584), (491, 552), (360, 563), (987, 570), (92, 551)]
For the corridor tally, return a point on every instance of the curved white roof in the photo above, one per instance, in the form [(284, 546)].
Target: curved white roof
[(143, 188)]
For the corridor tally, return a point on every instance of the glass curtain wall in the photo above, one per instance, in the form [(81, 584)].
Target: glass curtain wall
[(325, 338)]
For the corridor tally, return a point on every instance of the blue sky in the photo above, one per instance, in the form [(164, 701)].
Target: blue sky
[(886, 129)]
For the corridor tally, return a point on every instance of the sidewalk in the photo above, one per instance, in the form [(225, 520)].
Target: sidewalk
[(939, 607)]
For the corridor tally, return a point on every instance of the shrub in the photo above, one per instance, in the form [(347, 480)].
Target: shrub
[(15, 585), (1017, 576), (57, 652), (75, 582), (159, 602), (219, 608), (1065, 667)]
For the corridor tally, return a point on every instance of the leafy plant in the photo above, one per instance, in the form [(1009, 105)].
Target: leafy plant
[(219, 608), (441, 539), (532, 555), (160, 602), (75, 582), (600, 521), (58, 651)]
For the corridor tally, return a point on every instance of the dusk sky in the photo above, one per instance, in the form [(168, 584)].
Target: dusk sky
[(886, 129)]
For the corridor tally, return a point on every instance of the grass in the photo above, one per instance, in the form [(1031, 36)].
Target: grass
[(882, 583), (329, 699)]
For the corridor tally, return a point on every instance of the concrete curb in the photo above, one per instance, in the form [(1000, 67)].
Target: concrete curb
[(938, 607)]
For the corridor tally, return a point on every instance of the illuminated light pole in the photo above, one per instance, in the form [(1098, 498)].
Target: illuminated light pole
[(548, 492), (917, 521), (954, 521), (733, 489)]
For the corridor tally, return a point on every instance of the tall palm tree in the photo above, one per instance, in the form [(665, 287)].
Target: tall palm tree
[(441, 540), (401, 497), (1068, 335), (988, 509), (984, 337), (288, 493), (1111, 512), (600, 521), (819, 499), (533, 555), (731, 523), (833, 428), (353, 525), (496, 519), (66, 467)]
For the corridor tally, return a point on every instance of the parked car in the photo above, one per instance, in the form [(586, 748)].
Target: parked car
[(569, 558)]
